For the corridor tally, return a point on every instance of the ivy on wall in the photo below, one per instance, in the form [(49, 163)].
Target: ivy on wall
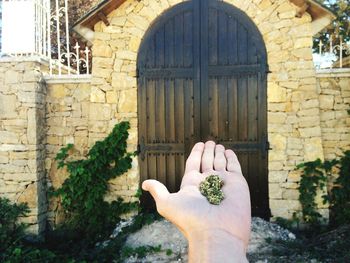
[(82, 193), (315, 176)]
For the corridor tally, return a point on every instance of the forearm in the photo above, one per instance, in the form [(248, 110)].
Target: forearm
[(216, 247)]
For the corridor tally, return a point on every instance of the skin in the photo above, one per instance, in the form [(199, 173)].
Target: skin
[(216, 233)]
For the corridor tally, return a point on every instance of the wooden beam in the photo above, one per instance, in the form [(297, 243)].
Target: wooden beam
[(103, 17)]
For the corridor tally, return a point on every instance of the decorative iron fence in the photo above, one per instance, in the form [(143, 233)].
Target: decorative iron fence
[(43, 31), (335, 54)]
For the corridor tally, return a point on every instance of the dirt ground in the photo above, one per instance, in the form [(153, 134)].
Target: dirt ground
[(269, 243)]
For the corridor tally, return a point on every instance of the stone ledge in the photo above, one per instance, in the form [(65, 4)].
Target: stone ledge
[(24, 59), (333, 73), (55, 79)]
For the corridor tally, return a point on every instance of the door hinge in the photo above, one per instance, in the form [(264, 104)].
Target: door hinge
[(268, 148)]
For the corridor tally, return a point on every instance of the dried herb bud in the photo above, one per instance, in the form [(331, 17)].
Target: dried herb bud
[(211, 189)]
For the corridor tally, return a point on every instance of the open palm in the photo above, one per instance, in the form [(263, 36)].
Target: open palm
[(190, 211)]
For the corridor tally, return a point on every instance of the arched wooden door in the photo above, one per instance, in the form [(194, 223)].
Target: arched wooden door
[(202, 75)]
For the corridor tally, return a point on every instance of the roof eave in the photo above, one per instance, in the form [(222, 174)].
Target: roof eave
[(321, 16)]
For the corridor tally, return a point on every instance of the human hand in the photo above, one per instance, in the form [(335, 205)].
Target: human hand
[(216, 233)]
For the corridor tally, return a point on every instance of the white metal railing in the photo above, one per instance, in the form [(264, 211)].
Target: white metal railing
[(40, 28), (335, 54)]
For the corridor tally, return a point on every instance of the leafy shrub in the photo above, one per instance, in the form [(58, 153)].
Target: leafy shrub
[(82, 193), (13, 247), (315, 176)]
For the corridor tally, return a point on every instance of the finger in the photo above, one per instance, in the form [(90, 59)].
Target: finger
[(158, 190), (208, 156), (220, 159), (193, 162), (232, 162)]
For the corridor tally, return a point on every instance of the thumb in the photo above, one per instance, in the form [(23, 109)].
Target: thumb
[(158, 190)]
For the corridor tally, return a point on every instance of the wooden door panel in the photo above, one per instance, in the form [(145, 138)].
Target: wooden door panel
[(202, 75)]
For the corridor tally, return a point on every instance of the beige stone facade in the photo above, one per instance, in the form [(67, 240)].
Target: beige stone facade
[(305, 113), (22, 138), (334, 90), (293, 106), (74, 116)]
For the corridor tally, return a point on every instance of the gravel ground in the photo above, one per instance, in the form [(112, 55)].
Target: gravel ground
[(165, 234)]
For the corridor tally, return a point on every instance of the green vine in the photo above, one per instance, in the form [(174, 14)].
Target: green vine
[(312, 179), (316, 175), (82, 193), (340, 204)]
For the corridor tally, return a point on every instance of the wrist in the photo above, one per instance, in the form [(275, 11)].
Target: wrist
[(216, 246)]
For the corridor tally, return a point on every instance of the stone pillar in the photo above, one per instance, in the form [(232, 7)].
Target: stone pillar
[(22, 138)]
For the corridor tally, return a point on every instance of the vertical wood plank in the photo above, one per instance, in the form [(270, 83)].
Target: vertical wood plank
[(222, 109), (232, 41), (159, 54), (169, 44), (188, 40), (179, 43), (213, 39), (253, 108), (213, 108), (170, 111), (233, 109), (224, 45), (151, 109), (179, 112), (242, 109)]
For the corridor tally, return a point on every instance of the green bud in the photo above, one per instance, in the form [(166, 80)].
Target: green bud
[(211, 189)]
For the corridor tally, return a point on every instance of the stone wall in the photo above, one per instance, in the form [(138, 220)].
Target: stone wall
[(334, 89), (22, 138), (294, 124), (37, 120), (76, 114)]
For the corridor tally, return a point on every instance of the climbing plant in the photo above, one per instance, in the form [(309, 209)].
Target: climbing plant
[(82, 193), (316, 175)]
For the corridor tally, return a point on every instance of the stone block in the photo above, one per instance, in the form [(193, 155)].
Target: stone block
[(24, 177), (303, 42), (275, 191), (125, 54), (30, 196), (12, 147), (277, 117), (290, 204), (138, 21), (97, 95), (102, 72), (278, 141), (277, 176), (302, 53), (310, 132), (122, 81), (313, 149), (326, 102), (276, 93), (8, 106), (8, 137), (290, 194), (313, 103), (112, 97), (101, 49), (99, 62), (294, 176), (98, 111), (118, 21), (12, 77), (127, 101), (57, 91), (118, 65)]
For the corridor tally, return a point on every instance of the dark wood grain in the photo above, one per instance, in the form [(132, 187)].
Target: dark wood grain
[(202, 75)]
